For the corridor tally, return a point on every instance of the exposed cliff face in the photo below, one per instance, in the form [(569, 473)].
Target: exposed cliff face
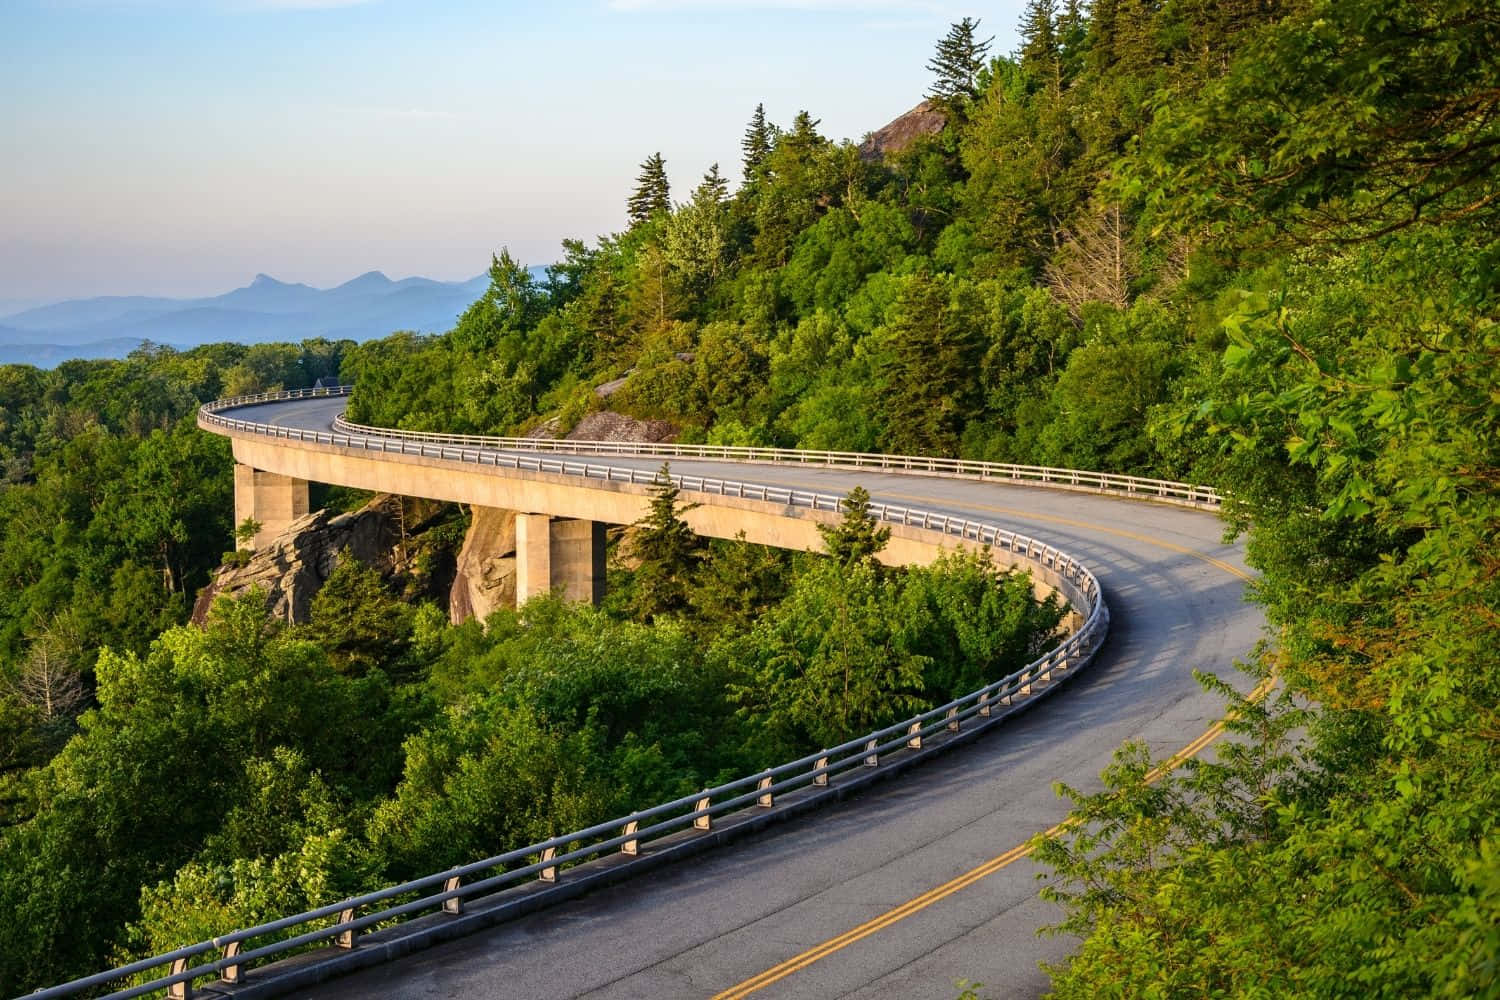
[(486, 576), (607, 425), (924, 119), (294, 565)]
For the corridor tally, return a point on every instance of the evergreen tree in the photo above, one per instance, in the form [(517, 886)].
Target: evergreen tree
[(713, 189), (740, 582), (668, 551), (858, 536), (652, 192), (1072, 38), (804, 134), (357, 620), (757, 142), (956, 64), (935, 349), (1039, 38)]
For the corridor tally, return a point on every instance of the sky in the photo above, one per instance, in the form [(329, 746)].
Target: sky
[(179, 147)]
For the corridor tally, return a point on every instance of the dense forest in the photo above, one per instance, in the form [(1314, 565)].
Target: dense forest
[(1250, 243), (161, 782)]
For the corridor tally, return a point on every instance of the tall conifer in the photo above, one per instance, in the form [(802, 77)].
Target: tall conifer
[(714, 189), (956, 64), (1039, 43), (757, 142), (652, 192)]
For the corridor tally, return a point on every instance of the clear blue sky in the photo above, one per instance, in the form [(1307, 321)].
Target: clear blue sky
[(177, 147)]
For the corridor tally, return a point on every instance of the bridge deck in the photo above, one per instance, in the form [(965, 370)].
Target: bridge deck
[(1176, 593)]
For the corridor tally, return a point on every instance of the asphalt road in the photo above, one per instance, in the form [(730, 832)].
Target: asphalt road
[(1176, 594)]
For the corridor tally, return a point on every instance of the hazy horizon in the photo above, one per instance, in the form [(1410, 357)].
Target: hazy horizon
[(169, 148), (14, 307)]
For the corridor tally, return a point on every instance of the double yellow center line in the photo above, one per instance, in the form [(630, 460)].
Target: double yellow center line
[(798, 962)]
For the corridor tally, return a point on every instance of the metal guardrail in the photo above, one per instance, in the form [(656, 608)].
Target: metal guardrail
[(1164, 490), (225, 956)]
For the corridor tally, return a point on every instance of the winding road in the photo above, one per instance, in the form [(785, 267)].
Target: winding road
[(914, 884)]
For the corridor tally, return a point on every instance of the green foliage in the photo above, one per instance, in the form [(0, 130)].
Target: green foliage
[(858, 538), (356, 620), (973, 622), (666, 551), (1350, 412), (756, 144), (932, 347), (1345, 120), (1245, 242), (956, 64), (830, 664), (652, 195), (171, 739)]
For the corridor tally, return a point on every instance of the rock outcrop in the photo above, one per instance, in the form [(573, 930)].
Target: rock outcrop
[(607, 425), (924, 119), (486, 577), (294, 565)]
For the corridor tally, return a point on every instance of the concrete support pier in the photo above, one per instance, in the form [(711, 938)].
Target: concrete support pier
[(273, 500), (559, 552)]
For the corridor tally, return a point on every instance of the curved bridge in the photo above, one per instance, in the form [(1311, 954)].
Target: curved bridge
[(912, 884)]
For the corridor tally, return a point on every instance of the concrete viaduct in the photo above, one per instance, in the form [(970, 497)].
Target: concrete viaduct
[(902, 888)]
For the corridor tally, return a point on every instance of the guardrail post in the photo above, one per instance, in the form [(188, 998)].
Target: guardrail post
[(705, 821), (953, 720), (231, 973), (345, 938), (872, 759), (820, 779), (631, 846), (915, 732), (766, 799), (180, 990), (984, 704), (549, 873), (453, 904)]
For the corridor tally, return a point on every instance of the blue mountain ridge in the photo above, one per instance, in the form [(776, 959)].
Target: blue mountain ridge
[(368, 306)]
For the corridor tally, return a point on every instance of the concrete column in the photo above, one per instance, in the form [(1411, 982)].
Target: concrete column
[(559, 552), (578, 559), (272, 499), (533, 556)]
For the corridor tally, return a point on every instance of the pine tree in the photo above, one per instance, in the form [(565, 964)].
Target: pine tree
[(1072, 38), (804, 135), (757, 142), (928, 375), (668, 551), (714, 189), (1039, 42), (652, 192), (957, 62), (858, 536)]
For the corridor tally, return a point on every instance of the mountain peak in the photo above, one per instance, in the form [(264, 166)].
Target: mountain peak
[(263, 280), (924, 119), (370, 279)]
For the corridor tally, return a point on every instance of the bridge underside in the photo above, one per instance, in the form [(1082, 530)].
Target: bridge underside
[(570, 561), (560, 552), (551, 552)]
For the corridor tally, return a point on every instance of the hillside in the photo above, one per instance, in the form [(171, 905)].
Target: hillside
[(1250, 243)]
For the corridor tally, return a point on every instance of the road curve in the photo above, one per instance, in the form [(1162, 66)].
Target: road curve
[(1175, 591)]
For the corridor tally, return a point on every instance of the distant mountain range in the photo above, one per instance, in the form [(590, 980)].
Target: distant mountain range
[(370, 305)]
